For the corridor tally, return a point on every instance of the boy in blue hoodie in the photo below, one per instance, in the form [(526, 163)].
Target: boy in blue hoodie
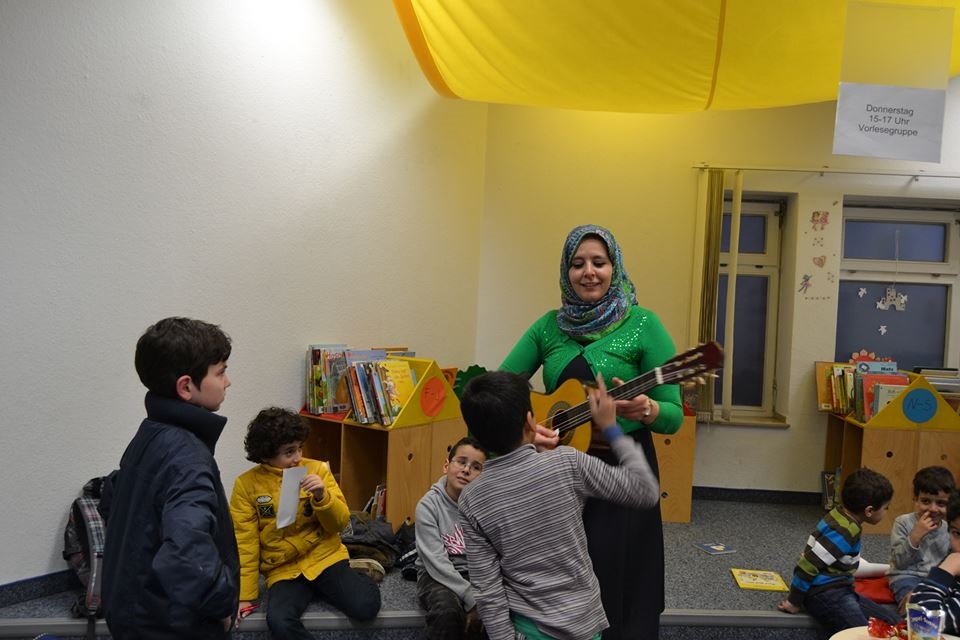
[(443, 585)]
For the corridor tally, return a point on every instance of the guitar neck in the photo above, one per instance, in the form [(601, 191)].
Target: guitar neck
[(687, 365), (578, 414)]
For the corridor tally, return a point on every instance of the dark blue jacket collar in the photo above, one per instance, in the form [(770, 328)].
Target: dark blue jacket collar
[(203, 423)]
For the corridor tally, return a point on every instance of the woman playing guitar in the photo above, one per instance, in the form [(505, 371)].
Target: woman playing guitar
[(600, 329)]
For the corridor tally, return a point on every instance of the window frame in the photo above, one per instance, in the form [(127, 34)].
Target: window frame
[(765, 264), (946, 273)]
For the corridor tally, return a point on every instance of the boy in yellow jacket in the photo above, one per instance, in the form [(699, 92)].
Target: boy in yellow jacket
[(302, 559)]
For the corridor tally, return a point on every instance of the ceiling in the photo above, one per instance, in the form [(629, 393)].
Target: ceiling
[(650, 56)]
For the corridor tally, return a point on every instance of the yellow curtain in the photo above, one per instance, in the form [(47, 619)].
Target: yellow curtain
[(711, 280), (668, 56)]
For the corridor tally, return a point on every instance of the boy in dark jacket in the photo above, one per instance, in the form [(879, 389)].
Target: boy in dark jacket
[(170, 560)]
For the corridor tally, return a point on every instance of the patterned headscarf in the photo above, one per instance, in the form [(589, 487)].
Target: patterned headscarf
[(592, 320)]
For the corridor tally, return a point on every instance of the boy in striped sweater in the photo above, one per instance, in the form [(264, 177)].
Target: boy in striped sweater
[(823, 579), (522, 518)]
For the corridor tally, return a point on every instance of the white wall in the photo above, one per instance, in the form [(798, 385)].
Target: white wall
[(548, 170), (279, 168)]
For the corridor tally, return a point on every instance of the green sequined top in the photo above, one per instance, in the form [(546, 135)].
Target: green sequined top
[(635, 347)]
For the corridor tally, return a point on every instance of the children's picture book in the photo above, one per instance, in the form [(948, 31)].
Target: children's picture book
[(398, 383), (824, 374), (338, 397), (759, 579), (870, 382), (884, 394), (318, 392), (714, 548)]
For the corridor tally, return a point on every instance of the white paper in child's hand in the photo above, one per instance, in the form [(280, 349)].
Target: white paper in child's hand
[(289, 495)]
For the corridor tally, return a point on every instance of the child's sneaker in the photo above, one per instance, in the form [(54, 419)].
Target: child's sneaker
[(369, 567)]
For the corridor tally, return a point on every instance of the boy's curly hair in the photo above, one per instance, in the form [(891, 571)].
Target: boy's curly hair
[(271, 429)]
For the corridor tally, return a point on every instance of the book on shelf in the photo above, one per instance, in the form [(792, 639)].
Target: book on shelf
[(318, 395), (364, 403), (877, 366), (869, 381), (714, 548), (377, 504), (358, 409), (381, 404), (397, 351), (759, 579), (945, 372), (337, 399), (884, 394), (398, 383), (824, 374)]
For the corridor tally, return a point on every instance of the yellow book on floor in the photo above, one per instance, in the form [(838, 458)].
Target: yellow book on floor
[(758, 579)]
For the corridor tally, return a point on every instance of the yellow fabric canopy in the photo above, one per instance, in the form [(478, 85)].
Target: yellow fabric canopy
[(651, 56)]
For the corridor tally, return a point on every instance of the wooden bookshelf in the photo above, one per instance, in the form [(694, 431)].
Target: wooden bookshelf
[(407, 456), (917, 429)]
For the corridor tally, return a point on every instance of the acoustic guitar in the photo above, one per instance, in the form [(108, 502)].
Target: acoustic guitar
[(567, 410)]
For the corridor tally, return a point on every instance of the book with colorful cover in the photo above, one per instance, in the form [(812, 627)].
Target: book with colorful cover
[(316, 380), (759, 579), (714, 548), (870, 380), (361, 393), (824, 375), (337, 398), (366, 391), (877, 366), (380, 401), (398, 384), (884, 394)]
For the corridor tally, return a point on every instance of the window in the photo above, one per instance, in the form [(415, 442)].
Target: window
[(898, 283), (755, 311)]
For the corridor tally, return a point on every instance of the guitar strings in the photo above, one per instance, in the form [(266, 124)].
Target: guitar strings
[(575, 416)]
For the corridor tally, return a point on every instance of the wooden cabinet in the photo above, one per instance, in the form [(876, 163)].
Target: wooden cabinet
[(407, 456), (406, 460), (675, 454), (895, 445)]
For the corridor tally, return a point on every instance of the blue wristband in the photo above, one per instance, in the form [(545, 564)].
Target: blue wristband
[(612, 432)]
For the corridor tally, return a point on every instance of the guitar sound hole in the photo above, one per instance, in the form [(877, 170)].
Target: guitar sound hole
[(554, 410)]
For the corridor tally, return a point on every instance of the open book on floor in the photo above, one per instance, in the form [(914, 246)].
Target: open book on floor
[(759, 579)]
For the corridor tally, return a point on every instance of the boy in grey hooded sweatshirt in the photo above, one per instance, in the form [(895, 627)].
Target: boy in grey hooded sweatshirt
[(443, 585)]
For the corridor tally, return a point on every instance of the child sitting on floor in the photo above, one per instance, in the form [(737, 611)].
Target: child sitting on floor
[(443, 582), (919, 540), (823, 579), (306, 557)]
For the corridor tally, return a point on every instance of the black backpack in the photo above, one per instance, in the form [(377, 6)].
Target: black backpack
[(83, 550)]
